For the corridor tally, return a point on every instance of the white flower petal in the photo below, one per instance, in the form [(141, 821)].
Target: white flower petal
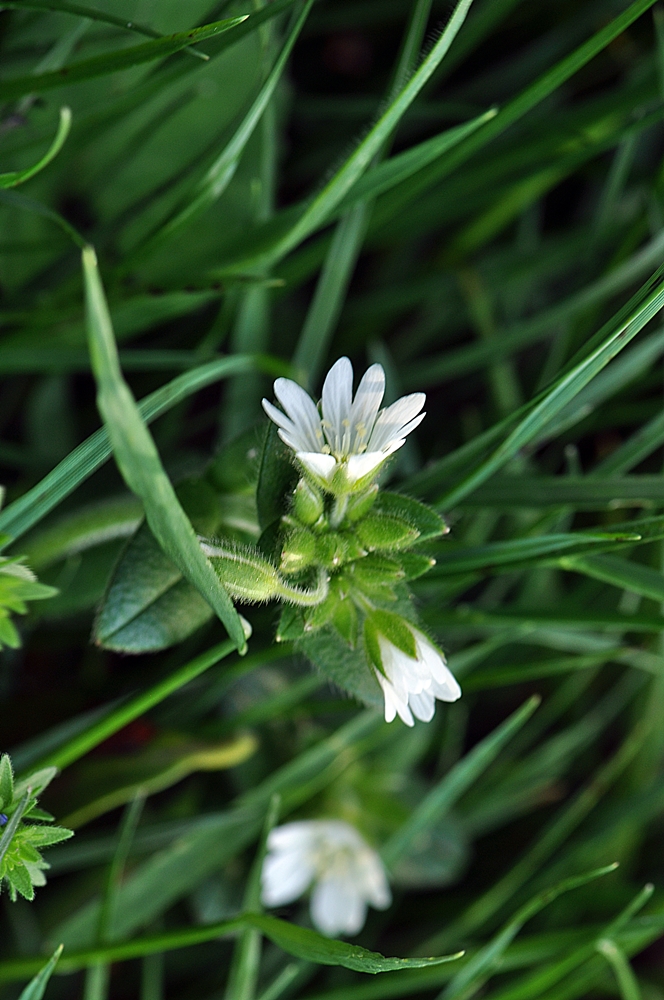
[(359, 466), (337, 397), (301, 409), (285, 877), (293, 836), (394, 418), (373, 879), (322, 466), (423, 706), (337, 906), (288, 431), (366, 405)]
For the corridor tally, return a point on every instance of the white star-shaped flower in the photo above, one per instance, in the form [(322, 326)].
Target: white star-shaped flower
[(331, 857), (354, 435), (411, 685)]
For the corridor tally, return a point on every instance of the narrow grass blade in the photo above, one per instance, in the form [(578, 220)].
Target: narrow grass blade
[(323, 204), (16, 177), (36, 988), (91, 14), (454, 784), (620, 573), (119, 717), (21, 515), (219, 175), (628, 984), (111, 62), (563, 391), (485, 962)]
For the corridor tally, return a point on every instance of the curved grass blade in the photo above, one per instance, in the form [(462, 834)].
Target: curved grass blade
[(15, 177), (323, 204), (139, 461), (454, 784), (28, 510), (563, 391), (221, 172), (111, 62), (482, 964), (91, 14)]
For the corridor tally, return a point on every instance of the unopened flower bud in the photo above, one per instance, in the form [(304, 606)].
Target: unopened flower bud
[(307, 503), (246, 575), (299, 551)]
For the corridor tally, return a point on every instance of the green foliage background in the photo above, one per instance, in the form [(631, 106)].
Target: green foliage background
[(472, 196)]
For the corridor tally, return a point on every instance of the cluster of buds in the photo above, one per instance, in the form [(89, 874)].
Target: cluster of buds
[(345, 546)]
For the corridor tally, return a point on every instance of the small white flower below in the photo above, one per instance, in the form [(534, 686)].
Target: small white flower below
[(331, 857), (411, 686), (353, 434)]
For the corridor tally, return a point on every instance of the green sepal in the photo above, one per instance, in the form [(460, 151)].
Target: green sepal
[(361, 504), (372, 645), (298, 552), (335, 548), (385, 532), (291, 624), (423, 519), (41, 814), (395, 630), (308, 505), (20, 882), (345, 620), (319, 616), (6, 781), (414, 564)]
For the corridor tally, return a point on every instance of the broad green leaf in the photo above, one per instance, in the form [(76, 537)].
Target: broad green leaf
[(16, 177), (111, 62)]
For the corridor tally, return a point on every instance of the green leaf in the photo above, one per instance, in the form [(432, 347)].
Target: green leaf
[(6, 781), (111, 62), (619, 572), (276, 478), (423, 519), (346, 667), (139, 460), (37, 986), (16, 177), (307, 944)]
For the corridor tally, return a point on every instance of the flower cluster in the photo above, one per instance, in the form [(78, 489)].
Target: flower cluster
[(336, 863), (360, 536)]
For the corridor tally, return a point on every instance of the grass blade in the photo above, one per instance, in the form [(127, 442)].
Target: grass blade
[(139, 461)]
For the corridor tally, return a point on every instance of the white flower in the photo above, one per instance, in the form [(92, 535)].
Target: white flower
[(353, 434), (411, 685), (330, 855)]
